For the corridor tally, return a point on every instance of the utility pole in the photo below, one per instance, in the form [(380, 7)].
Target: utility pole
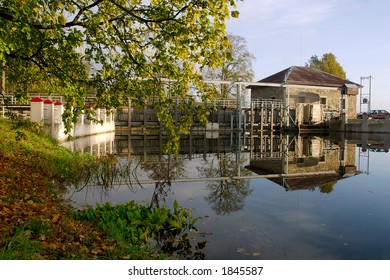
[(363, 99)]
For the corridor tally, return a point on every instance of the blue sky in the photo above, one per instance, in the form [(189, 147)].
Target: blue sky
[(283, 33)]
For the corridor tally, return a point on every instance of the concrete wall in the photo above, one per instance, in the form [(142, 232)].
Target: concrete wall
[(368, 126), (50, 114), (267, 93), (364, 125)]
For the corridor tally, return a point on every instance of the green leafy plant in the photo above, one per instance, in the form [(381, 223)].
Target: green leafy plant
[(131, 224)]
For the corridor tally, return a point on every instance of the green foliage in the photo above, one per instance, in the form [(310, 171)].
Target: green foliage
[(118, 49), (327, 63), (20, 125), (131, 224)]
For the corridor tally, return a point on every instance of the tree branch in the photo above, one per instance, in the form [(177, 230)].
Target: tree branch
[(131, 13), (81, 11), (4, 13)]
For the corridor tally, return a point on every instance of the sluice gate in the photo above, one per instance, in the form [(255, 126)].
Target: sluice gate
[(264, 115), (224, 115)]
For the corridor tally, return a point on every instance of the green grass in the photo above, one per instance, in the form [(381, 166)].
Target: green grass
[(20, 247), (28, 141)]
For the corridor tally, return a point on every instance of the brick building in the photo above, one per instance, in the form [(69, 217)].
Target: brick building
[(312, 96)]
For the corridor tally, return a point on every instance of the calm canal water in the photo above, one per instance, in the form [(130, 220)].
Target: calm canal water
[(259, 196)]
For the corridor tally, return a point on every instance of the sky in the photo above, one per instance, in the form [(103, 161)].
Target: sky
[(284, 33)]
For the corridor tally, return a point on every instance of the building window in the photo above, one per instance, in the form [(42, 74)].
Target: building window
[(323, 100)]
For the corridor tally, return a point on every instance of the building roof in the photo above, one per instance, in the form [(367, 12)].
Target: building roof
[(298, 75), (307, 182)]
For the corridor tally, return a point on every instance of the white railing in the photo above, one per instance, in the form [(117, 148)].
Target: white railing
[(266, 103), (220, 102)]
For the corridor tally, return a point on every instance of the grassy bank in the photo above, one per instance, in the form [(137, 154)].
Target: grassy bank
[(36, 224)]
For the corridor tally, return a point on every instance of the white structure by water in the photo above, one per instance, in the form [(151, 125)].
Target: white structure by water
[(50, 114)]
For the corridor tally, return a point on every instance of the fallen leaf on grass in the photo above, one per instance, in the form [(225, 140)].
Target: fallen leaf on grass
[(55, 218)]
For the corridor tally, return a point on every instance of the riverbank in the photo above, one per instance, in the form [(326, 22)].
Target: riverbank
[(36, 222)]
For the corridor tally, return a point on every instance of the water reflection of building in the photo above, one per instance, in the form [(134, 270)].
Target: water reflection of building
[(97, 144), (305, 162), (191, 145)]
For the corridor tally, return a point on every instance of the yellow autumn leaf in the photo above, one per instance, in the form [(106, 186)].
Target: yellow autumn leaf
[(56, 218), (62, 19), (235, 14)]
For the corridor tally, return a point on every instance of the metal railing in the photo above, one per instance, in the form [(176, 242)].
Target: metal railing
[(9, 99), (267, 103)]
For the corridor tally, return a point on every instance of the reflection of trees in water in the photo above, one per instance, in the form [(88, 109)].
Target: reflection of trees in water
[(110, 170), (165, 169), (106, 172), (226, 195), (162, 169), (185, 249), (328, 188)]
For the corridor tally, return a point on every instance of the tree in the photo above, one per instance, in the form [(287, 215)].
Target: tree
[(137, 49), (327, 63), (237, 66), (314, 62), (226, 196)]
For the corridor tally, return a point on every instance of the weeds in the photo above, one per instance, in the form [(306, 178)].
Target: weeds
[(20, 246)]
